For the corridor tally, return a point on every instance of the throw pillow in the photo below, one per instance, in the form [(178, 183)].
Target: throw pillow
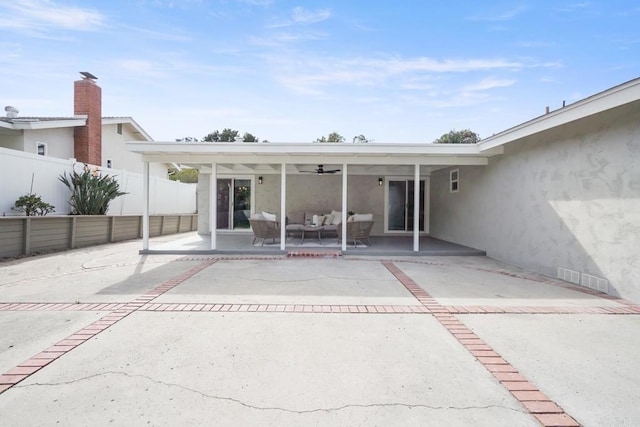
[(336, 217), (269, 216)]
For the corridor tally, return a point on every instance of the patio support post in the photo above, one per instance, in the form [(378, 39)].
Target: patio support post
[(283, 205), (213, 205), (343, 224), (416, 209), (145, 206)]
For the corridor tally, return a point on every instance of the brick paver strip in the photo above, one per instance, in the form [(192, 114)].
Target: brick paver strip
[(30, 366), (519, 387), (548, 413)]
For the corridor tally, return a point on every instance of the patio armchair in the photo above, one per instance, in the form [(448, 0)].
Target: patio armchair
[(264, 229), (356, 231)]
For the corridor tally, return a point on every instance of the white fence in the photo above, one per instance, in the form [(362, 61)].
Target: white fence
[(21, 173)]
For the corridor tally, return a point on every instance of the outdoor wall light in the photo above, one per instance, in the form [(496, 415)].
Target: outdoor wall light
[(380, 182), (259, 180)]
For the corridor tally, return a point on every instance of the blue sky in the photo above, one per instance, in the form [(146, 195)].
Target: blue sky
[(287, 71)]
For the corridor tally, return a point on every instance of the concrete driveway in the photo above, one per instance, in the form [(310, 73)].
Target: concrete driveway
[(103, 336)]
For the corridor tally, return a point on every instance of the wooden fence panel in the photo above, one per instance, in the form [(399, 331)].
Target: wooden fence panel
[(126, 228), (50, 233), (11, 237)]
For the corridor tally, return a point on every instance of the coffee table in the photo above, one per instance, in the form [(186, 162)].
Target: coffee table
[(310, 228)]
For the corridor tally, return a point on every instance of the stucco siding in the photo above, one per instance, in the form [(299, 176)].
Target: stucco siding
[(565, 198), (322, 194), (59, 142)]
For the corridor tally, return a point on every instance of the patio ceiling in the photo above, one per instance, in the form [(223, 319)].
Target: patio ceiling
[(267, 158)]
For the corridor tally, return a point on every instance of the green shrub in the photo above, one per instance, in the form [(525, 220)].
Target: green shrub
[(91, 192), (32, 205)]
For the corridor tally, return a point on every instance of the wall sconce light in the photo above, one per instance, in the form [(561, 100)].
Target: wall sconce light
[(380, 182), (259, 180)]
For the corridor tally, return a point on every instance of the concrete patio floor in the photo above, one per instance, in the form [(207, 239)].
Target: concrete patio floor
[(242, 242), (103, 335)]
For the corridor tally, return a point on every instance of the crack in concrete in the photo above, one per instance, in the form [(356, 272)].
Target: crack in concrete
[(273, 408)]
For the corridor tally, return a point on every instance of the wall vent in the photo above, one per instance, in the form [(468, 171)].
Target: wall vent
[(595, 283), (568, 275)]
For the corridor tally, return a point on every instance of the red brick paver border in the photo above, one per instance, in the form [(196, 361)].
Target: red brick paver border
[(40, 360), (548, 413)]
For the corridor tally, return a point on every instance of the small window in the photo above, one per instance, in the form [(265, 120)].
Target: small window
[(109, 164), (454, 181), (119, 128), (41, 148)]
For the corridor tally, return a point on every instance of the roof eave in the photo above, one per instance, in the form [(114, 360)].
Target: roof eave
[(615, 97)]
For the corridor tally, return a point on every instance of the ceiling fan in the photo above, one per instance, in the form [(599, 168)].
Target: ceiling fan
[(321, 171)]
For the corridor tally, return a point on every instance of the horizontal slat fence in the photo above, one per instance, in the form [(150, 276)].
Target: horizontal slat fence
[(34, 234)]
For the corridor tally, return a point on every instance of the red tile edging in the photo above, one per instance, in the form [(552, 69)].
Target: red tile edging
[(547, 412)]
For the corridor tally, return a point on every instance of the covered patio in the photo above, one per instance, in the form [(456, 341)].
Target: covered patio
[(241, 243), (388, 182)]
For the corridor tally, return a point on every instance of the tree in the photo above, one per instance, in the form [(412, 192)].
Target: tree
[(227, 135), (212, 137), (247, 137), (333, 137), (32, 205), (187, 139), (464, 136), (188, 175), (360, 139)]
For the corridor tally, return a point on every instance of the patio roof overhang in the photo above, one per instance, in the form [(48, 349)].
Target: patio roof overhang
[(265, 158)]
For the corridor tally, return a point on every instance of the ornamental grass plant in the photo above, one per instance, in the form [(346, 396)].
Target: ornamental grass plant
[(91, 192)]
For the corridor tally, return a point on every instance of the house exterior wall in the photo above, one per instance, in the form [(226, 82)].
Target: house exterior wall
[(13, 140), (566, 198), (59, 141), (113, 147)]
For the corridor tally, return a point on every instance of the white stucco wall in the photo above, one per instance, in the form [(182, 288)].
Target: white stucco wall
[(59, 141), (13, 140), (565, 198), (113, 147)]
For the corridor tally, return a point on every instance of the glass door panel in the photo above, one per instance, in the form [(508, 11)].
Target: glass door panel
[(223, 204), (397, 203), (241, 203), (401, 203), (233, 206)]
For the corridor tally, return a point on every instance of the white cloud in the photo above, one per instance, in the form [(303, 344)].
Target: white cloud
[(39, 15), (506, 15), (304, 16), (486, 84)]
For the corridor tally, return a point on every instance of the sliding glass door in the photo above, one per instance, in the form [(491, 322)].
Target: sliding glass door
[(400, 205), (234, 203)]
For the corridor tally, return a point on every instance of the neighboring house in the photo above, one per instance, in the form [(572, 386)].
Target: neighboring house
[(559, 194), (86, 136), (35, 151)]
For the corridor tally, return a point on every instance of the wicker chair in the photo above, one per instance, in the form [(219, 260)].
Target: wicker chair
[(264, 229), (356, 231)]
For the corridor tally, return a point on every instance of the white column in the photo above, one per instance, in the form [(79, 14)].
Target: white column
[(416, 209), (213, 205), (283, 205), (344, 207), (145, 206)]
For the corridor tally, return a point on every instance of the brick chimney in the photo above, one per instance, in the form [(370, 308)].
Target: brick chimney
[(87, 100)]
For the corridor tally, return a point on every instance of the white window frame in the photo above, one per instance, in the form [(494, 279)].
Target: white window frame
[(454, 180), (44, 146)]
